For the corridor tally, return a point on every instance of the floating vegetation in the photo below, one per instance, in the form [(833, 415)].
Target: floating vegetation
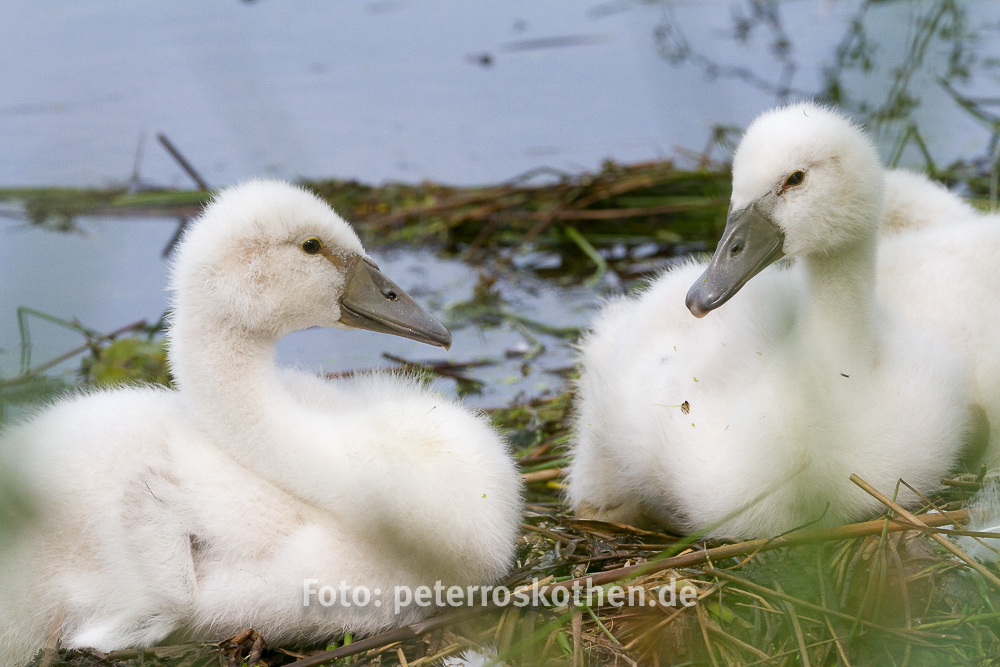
[(569, 214), (626, 219), (59, 208), (127, 361), (650, 202), (108, 359)]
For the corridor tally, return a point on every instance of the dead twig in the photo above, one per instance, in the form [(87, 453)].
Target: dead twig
[(182, 161), (195, 176), (885, 500), (541, 475)]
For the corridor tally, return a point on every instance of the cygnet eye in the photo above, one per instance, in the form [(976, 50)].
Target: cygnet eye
[(390, 294), (312, 245), (795, 178)]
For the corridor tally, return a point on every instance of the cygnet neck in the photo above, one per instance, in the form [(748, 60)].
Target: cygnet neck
[(229, 382), (840, 301)]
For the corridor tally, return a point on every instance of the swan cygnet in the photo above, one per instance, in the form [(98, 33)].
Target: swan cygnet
[(750, 421), (199, 512)]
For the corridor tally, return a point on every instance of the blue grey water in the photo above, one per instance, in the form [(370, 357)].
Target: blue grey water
[(458, 91)]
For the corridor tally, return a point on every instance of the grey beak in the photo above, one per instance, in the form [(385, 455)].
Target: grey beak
[(751, 241), (371, 301)]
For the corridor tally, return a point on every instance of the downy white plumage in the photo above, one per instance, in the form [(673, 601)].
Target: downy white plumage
[(485, 657), (200, 512), (912, 201), (943, 275), (749, 421), (936, 265), (984, 517)]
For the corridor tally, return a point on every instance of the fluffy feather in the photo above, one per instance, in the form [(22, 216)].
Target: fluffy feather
[(473, 658), (944, 277), (199, 512), (913, 201), (984, 517)]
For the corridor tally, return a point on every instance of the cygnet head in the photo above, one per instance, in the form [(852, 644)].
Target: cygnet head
[(806, 181), (266, 258)]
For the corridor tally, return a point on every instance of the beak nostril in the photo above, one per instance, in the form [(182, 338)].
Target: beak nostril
[(391, 295), (735, 249)]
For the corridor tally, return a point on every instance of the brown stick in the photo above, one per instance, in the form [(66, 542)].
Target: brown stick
[(885, 500), (961, 484), (683, 560), (796, 627), (185, 165), (540, 475)]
